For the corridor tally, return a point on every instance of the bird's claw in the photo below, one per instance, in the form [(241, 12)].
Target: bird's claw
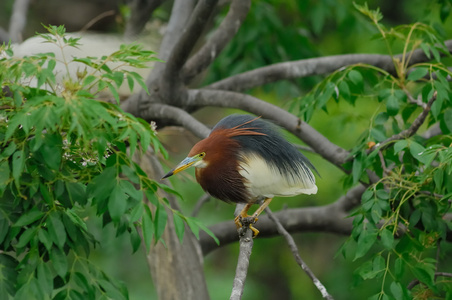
[(246, 221)]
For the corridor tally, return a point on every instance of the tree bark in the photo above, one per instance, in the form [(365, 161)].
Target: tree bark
[(176, 268)]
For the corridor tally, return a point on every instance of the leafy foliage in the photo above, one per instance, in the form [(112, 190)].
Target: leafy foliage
[(62, 152), (399, 231)]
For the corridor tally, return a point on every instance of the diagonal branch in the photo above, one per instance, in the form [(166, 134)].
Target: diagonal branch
[(293, 247), (140, 12), (332, 218), (18, 20), (302, 130), (417, 123), (310, 67), (188, 39), (225, 32)]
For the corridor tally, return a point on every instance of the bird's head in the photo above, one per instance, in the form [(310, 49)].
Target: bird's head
[(218, 148), (196, 158)]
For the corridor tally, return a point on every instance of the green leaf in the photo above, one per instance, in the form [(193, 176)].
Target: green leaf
[(8, 274), (366, 240), (378, 134), (26, 236), (399, 267), (4, 228), (425, 274), (45, 278), (4, 176), (130, 190), (179, 226), (148, 227), (59, 261), (18, 165), (400, 145), (392, 105), (447, 118), (76, 192), (52, 151), (417, 73), (29, 217), (135, 239), (417, 151), (382, 194), (397, 291), (44, 238), (357, 169), (137, 212), (355, 77), (56, 229), (102, 185), (112, 291), (160, 221), (117, 203), (387, 238)]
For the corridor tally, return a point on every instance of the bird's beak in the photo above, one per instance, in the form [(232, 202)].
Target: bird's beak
[(185, 164)]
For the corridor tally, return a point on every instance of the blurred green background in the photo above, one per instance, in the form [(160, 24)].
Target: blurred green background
[(275, 31)]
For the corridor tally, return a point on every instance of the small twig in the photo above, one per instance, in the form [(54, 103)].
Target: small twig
[(246, 246), (294, 249), (413, 128), (204, 199), (97, 19), (304, 148), (437, 274)]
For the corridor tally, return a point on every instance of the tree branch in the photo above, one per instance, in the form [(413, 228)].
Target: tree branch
[(180, 14), (176, 116), (140, 13), (328, 218), (246, 246), (225, 32), (310, 67), (18, 20), (293, 247), (413, 128), (188, 39), (302, 130), (176, 268), (4, 36)]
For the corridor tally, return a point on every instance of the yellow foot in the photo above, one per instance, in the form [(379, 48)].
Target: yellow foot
[(248, 220)]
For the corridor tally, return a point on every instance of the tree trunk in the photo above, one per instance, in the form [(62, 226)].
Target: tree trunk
[(176, 268)]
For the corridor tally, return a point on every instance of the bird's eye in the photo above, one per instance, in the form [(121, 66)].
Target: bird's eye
[(202, 154)]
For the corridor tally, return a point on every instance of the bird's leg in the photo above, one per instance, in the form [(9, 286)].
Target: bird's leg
[(261, 208), (244, 214)]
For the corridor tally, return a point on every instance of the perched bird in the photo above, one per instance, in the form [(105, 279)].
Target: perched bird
[(244, 160)]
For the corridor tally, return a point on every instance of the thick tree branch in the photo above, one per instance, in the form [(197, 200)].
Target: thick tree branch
[(302, 130), (4, 36), (18, 20), (187, 41), (293, 247), (310, 67), (176, 268), (140, 13), (180, 14), (177, 116), (225, 32), (328, 218)]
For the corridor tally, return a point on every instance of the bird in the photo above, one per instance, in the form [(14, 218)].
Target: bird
[(245, 159)]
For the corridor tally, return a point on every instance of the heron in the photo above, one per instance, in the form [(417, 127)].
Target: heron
[(247, 160)]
